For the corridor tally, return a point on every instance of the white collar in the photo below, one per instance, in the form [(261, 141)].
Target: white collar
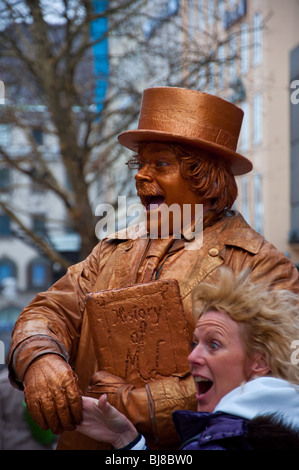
[(264, 395)]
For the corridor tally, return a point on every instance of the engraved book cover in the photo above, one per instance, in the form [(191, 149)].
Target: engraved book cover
[(133, 334)]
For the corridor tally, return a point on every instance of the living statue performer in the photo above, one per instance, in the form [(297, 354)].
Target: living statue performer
[(184, 154)]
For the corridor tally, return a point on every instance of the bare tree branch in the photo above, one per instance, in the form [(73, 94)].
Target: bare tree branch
[(47, 61)]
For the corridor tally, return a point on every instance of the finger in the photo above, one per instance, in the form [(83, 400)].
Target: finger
[(63, 411), (33, 406), (107, 410), (49, 412), (36, 413), (102, 402), (74, 400), (104, 406)]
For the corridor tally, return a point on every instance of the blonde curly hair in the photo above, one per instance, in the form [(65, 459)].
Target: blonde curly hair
[(269, 319)]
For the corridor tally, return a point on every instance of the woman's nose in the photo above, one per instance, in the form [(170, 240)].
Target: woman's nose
[(196, 356)]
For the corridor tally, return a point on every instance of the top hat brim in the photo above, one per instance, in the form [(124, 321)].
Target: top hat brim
[(239, 164)]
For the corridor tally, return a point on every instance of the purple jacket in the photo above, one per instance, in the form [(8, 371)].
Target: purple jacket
[(223, 431), (211, 431)]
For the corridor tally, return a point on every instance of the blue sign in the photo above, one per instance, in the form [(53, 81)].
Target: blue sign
[(99, 28)]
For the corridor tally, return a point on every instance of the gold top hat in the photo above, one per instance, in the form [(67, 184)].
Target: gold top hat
[(179, 115)]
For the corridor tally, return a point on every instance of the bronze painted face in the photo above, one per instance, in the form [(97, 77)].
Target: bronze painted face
[(159, 184)]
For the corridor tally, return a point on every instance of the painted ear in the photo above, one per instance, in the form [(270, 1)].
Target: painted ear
[(259, 365)]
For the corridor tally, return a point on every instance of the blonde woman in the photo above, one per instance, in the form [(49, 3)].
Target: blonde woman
[(245, 371)]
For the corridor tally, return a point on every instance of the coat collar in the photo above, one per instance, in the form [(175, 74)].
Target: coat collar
[(231, 230)]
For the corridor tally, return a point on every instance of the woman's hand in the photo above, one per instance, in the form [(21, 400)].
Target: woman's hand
[(102, 422)]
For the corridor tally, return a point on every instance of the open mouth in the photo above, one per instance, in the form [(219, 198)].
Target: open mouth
[(151, 202), (203, 385)]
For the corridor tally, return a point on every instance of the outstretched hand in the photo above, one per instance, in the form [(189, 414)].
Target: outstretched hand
[(103, 422)]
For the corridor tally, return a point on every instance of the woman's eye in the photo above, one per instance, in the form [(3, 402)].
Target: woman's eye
[(214, 345), (193, 344)]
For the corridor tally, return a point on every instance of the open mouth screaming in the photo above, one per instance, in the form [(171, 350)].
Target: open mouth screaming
[(150, 197), (203, 385), (151, 202)]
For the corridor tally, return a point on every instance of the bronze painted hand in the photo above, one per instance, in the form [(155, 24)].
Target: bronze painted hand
[(52, 394)]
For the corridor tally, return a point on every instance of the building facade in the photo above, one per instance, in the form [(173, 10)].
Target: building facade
[(254, 64)]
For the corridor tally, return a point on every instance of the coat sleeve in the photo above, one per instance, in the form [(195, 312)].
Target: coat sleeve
[(274, 269), (51, 323), (268, 266)]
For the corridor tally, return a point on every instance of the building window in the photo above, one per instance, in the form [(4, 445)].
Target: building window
[(8, 317), (7, 269), (245, 129), (191, 19), (257, 39), (245, 199), (39, 224), (4, 178), (211, 13), (39, 274), (257, 119), (5, 229), (2, 92), (232, 58), (244, 49), (221, 68), (201, 16), (221, 8), (258, 203), (38, 136), (5, 130)]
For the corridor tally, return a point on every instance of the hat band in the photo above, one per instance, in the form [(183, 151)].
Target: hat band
[(193, 132)]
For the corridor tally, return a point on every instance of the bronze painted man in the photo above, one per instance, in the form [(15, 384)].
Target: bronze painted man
[(185, 153)]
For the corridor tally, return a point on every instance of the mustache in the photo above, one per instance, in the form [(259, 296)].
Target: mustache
[(146, 189)]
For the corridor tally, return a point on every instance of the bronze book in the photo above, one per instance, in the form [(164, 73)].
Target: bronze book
[(140, 332)]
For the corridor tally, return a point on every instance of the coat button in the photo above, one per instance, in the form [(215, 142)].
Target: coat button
[(213, 252), (128, 246)]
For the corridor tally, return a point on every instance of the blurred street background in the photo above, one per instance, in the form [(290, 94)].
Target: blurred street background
[(72, 74)]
